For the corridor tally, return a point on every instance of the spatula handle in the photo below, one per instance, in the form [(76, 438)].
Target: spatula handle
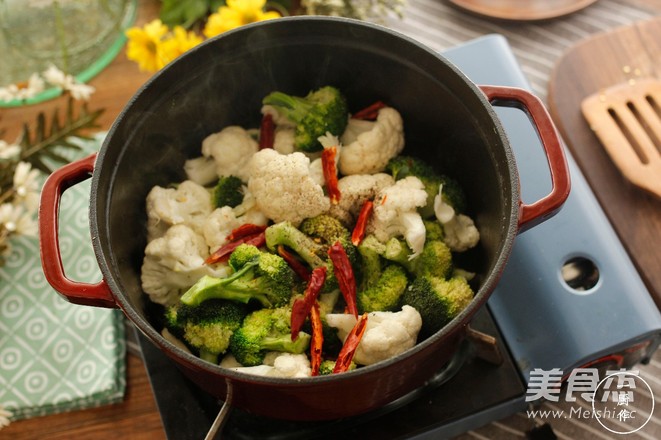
[(60, 180), (531, 214)]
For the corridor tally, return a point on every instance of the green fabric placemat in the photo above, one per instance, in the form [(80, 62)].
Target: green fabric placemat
[(56, 356)]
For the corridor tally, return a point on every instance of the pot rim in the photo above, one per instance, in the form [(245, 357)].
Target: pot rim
[(457, 324)]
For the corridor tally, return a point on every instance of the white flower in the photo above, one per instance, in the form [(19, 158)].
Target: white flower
[(4, 417), (60, 79), (56, 77), (25, 179), (8, 93), (81, 91), (17, 220), (34, 86), (26, 186), (8, 151)]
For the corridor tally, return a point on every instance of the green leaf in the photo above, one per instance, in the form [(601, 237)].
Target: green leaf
[(183, 12), (215, 4)]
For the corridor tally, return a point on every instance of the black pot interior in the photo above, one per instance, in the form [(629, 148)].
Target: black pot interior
[(447, 122)]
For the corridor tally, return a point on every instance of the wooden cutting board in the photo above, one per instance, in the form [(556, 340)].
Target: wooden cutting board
[(604, 60)]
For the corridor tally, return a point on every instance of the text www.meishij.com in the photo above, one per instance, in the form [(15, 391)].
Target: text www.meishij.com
[(576, 413)]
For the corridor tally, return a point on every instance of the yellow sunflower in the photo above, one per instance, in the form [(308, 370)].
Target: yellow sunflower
[(237, 13), (143, 45), (178, 42)]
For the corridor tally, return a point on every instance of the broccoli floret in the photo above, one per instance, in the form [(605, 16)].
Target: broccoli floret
[(397, 250), (206, 327), (286, 234), (435, 258), (171, 323), (382, 285), (321, 111), (312, 251), (227, 192), (328, 230), (433, 230), (404, 166), (437, 300), (386, 294), (242, 255), (265, 278), (328, 365), (266, 330), (371, 264)]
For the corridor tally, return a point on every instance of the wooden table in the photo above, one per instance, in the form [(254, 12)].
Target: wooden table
[(137, 416)]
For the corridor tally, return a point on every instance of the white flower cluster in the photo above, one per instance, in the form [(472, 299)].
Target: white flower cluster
[(37, 83), (4, 417), (18, 203)]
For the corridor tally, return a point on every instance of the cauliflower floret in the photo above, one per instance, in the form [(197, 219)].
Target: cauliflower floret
[(187, 204), (201, 170), (317, 172), (231, 150), (387, 334), (278, 119), (283, 142), (316, 166), (276, 364), (369, 145), (355, 190), (222, 221), (461, 233), (283, 189), (395, 213), (174, 262)]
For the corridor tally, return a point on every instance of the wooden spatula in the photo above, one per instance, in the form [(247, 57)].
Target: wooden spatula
[(627, 120)]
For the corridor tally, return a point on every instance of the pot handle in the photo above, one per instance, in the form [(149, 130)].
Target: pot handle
[(60, 180), (534, 213)]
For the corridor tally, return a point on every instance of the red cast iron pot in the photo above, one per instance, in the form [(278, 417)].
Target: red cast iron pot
[(449, 121)]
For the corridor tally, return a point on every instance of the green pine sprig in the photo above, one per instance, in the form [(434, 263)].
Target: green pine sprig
[(40, 145)]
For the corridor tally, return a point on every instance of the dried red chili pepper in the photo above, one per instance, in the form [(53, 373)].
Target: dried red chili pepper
[(317, 341), (345, 276), (302, 306), (350, 345), (299, 268), (330, 173), (370, 112), (223, 253), (359, 230), (266, 132), (245, 230)]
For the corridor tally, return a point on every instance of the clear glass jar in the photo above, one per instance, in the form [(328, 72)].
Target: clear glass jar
[(80, 37)]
